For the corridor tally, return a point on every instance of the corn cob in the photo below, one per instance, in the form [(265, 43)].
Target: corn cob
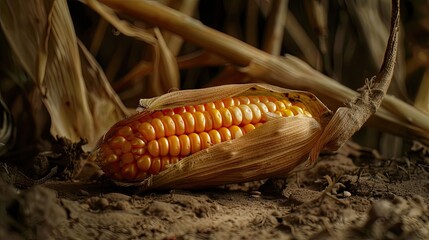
[(149, 144)]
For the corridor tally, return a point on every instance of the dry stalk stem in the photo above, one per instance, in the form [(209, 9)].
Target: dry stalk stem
[(274, 34), (288, 71)]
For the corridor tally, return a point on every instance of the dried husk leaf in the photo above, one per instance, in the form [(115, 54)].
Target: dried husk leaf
[(43, 40), (272, 149)]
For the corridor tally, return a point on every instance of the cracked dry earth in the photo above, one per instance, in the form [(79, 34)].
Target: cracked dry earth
[(339, 198)]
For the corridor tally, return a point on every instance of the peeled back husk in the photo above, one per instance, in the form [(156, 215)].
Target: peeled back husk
[(271, 150)]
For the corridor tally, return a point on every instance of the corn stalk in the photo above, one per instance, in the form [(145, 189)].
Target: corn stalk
[(393, 116)]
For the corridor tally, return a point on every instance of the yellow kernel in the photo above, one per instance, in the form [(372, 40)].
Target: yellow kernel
[(135, 125), (174, 160), (127, 158), (263, 108), (157, 114), (228, 102), (244, 100), (236, 101), (153, 148), (169, 125), (247, 113), (287, 113), (200, 122), (165, 161), (226, 117), (300, 105), (179, 124), (205, 140), (209, 121), (163, 146), (280, 105), (272, 99), (147, 131), (215, 136), (254, 99), (126, 147), (185, 145), (248, 127), (200, 108), (189, 120), (144, 162), (111, 158), (159, 127), (216, 118), (125, 131), (168, 112), (219, 104), (237, 115), (117, 141), (258, 125), (179, 110), (287, 102), (272, 107), (263, 99), (137, 143), (296, 110), (155, 166), (257, 115), (235, 132), (174, 143), (129, 171), (209, 105), (190, 109), (138, 151), (195, 142), (224, 134)]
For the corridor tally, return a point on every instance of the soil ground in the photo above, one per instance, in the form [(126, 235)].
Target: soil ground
[(349, 195)]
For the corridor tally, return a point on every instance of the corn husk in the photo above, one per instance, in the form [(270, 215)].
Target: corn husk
[(272, 149)]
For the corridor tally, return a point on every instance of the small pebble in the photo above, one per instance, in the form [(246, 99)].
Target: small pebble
[(347, 194), (83, 192), (255, 194)]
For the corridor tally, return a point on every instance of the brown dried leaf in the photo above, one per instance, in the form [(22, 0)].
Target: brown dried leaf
[(42, 37)]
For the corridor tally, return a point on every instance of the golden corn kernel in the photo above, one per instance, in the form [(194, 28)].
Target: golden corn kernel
[(247, 114), (169, 125), (216, 118), (153, 148), (148, 131), (296, 110), (195, 142), (144, 162), (117, 141), (189, 120), (174, 145), (185, 145), (200, 122), (226, 117), (125, 131), (179, 124), (155, 167), (205, 140)]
